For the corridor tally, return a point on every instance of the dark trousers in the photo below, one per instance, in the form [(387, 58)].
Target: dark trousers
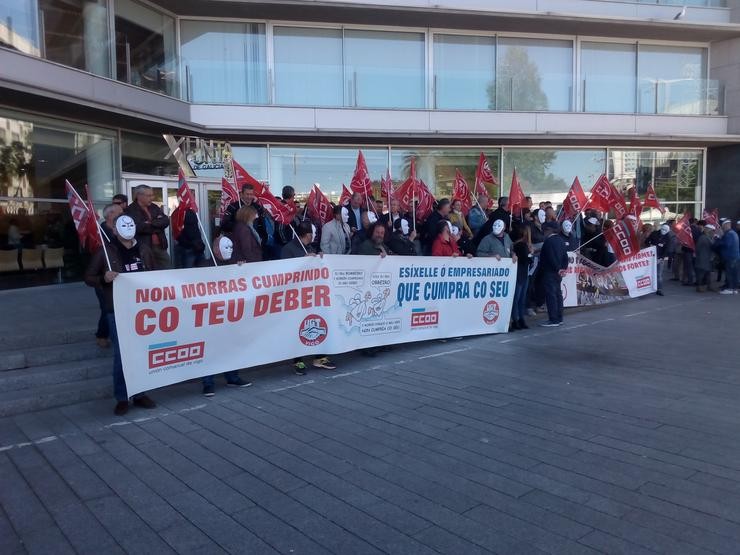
[(103, 331), (553, 296), (688, 268)]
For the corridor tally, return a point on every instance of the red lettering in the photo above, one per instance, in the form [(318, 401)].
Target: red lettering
[(291, 299), (261, 304), (199, 309), (306, 297), (140, 324), (235, 310), (216, 313), (169, 318), (211, 288), (276, 302), (322, 296)]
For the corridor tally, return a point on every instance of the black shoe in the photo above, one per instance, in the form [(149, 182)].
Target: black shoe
[(121, 408), (514, 325), (549, 324), (238, 383), (659, 292), (145, 402), (522, 324), (209, 390)]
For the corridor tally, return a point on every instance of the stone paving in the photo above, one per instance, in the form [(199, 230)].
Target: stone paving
[(616, 433)]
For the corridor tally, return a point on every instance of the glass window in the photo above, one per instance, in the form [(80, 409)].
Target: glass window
[(331, 167), (534, 74), (252, 158), (145, 47), (224, 62), (631, 167), (146, 154), (464, 72), (436, 167), (384, 69), (35, 159), (546, 175), (678, 176), (608, 77), (672, 80), (75, 33), (19, 25), (308, 66)]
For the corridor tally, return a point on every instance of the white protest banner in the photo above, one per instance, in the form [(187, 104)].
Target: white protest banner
[(588, 283), (175, 325)]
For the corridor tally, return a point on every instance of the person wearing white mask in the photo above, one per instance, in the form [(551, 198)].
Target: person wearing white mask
[(497, 243), (660, 239), (566, 230), (401, 241), (125, 255), (336, 237)]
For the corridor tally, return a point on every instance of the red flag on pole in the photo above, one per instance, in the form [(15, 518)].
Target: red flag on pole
[(228, 195), (426, 201), (623, 238), (386, 187), (516, 195), (604, 196), (682, 229), (94, 241), (408, 190), (185, 202), (711, 217), (242, 177), (461, 192), (319, 207), (80, 214), (635, 205), (651, 199), (483, 175), (575, 201), (361, 179), (346, 196)]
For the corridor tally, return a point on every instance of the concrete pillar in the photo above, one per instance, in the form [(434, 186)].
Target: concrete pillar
[(96, 39), (725, 67)]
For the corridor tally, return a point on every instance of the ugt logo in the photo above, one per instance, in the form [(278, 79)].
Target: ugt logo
[(491, 312), (313, 330)]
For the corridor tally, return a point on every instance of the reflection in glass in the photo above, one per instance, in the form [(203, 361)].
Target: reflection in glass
[(546, 175), (671, 80), (224, 62), (252, 158), (384, 69), (436, 167), (145, 47), (608, 77), (534, 74), (18, 26), (631, 167), (36, 159), (464, 72), (308, 66), (146, 154), (331, 167)]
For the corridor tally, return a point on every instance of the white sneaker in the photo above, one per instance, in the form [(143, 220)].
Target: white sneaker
[(531, 312), (727, 292)]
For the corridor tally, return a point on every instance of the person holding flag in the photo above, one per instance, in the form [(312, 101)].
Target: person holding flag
[(189, 246), (126, 254)]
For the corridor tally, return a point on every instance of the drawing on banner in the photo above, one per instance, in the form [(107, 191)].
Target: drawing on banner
[(366, 304)]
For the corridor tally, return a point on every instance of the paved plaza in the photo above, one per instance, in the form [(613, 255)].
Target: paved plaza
[(618, 432)]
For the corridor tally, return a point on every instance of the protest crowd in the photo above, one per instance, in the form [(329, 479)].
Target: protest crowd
[(258, 226)]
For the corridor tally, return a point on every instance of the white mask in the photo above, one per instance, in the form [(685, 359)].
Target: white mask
[(541, 216), (372, 218), (498, 227), (454, 230), (664, 229), (345, 215), (313, 233), (226, 248), (125, 227), (449, 226), (567, 227), (404, 226)]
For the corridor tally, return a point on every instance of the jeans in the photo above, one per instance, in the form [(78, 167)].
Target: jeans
[(659, 273), (519, 306), (187, 258), (231, 377), (103, 332), (553, 296), (731, 269), (119, 382)]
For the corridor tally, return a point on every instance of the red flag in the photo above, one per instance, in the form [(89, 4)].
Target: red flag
[(426, 201), (682, 229), (282, 213), (185, 202), (346, 196), (711, 217), (407, 191), (483, 175), (228, 195), (80, 213), (623, 238), (604, 196), (651, 199), (575, 201), (386, 187), (516, 195), (461, 192), (635, 205), (94, 241), (361, 179), (242, 177), (319, 207)]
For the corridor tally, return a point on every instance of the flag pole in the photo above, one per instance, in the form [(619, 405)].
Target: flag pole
[(299, 239), (587, 242), (208, 243), (97, 224)]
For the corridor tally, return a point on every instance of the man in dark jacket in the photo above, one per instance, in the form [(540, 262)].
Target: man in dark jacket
[(553, 262), (429, 231), (189, 246), (150, 225), (262, 225), (401, 241), (125, 254), (660, 239), (302, 245)]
